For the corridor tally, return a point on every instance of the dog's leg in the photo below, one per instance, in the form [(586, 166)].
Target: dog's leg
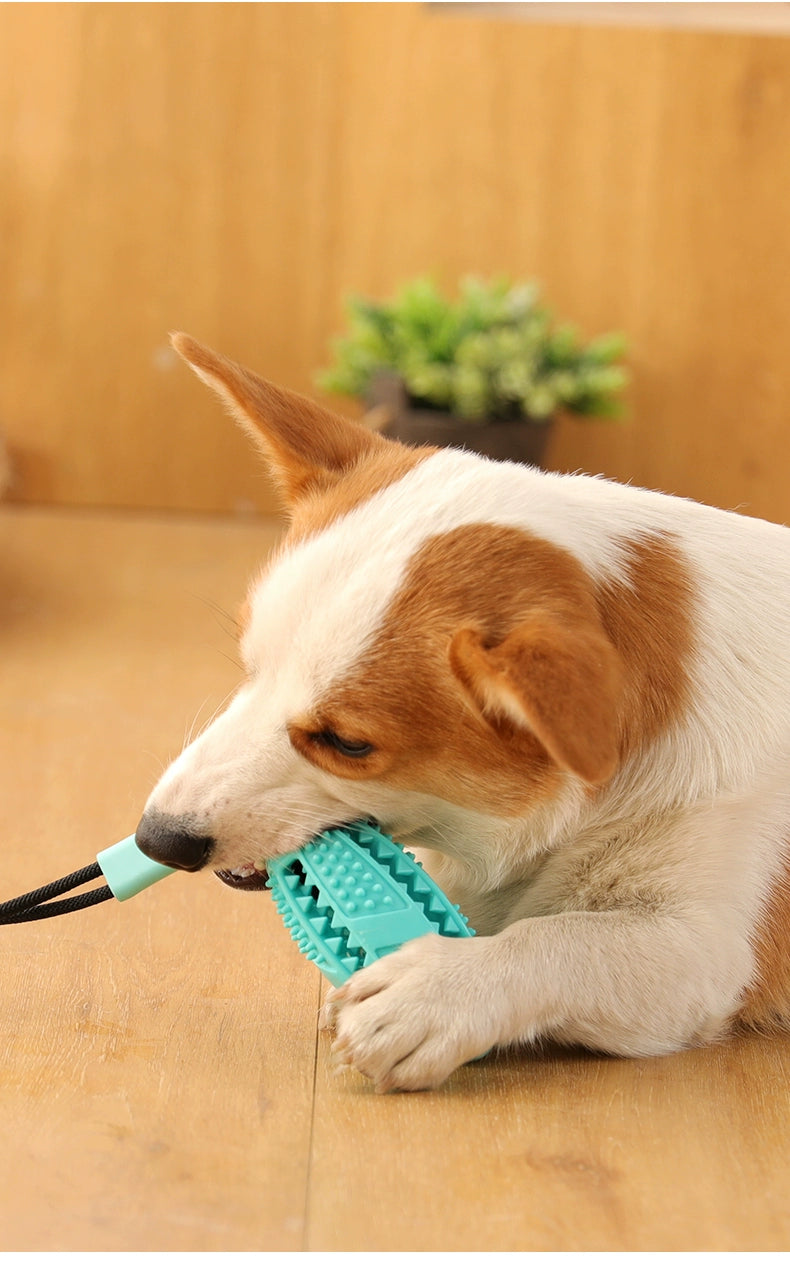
[(638, 941), (620, 981)]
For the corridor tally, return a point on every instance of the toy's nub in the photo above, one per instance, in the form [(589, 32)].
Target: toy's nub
[(128, 871), (353, 895)]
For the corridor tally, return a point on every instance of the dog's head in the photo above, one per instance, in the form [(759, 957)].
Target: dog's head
[(412, 654)]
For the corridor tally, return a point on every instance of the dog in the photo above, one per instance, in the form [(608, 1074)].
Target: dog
[(573, 693)]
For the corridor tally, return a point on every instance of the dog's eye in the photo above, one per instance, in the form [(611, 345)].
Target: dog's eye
[(346, 747)]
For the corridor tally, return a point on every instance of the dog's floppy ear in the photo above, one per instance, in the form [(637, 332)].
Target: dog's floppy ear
[(305, 445), (560, 679)]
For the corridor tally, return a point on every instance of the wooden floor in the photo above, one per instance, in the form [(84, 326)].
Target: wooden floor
[(162, 1083)]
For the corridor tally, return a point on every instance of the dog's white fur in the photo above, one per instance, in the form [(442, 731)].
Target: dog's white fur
[(626, 920)]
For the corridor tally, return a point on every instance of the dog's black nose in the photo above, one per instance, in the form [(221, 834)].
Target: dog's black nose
[(171, 841)]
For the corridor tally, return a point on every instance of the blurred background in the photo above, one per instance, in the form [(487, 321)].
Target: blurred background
[(236, 170)]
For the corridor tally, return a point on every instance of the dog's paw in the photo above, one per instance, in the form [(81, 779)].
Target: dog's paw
[(411, 1018)]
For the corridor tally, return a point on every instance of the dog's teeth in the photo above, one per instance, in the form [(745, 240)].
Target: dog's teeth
[(243, 872)]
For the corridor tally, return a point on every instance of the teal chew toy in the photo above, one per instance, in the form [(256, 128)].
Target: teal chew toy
[(353, 895), (348, 897)]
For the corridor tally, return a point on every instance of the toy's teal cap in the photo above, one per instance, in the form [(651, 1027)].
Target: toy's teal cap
[(128, 871)]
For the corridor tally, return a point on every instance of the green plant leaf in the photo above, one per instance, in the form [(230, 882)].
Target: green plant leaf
[(495, 351)]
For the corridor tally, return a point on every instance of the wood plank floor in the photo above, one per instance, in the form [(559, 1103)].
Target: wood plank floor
[(162, 1083)]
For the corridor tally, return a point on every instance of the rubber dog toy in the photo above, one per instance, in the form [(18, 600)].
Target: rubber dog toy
[(353, 895), (348, 897)]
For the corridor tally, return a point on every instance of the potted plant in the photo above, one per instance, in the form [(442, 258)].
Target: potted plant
[(489, 371)]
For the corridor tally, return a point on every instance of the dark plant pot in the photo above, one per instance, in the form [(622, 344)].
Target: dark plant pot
[(522, 440)]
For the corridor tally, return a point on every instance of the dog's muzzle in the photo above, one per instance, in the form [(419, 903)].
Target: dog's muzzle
[(173, 841)]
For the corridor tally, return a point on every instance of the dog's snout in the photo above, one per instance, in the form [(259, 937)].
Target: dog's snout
[(172, 841)]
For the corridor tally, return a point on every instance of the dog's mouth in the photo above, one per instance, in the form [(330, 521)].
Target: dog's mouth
[(245, 878), (252, 878)]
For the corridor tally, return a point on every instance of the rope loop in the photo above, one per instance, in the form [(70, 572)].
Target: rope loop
[(33, 905)]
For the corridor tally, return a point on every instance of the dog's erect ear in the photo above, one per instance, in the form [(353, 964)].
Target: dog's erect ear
[(561, 680), (306, 446)]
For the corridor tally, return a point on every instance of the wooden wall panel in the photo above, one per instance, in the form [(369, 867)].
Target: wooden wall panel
[(234, 170)]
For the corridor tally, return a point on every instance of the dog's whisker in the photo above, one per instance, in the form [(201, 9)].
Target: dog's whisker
[(233, 660), (226, 621), (160, 765), (198, 727), (189, 730)]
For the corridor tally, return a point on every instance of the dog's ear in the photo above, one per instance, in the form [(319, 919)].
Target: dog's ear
[(306, 446), (557, 678)]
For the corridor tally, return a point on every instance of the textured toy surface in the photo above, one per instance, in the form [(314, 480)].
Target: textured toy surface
[(352, 895)]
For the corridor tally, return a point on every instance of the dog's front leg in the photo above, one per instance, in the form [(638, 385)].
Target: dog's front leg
[(623, 981)]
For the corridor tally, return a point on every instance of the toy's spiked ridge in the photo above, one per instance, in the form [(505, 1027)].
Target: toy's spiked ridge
[(353, 895)]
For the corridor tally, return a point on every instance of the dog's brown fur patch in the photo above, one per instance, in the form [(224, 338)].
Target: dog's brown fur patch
[(409, 700), (372, 473), (648, 616)]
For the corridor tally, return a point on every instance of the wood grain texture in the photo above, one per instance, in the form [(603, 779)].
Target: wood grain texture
[(162, 1083), (236, 169), (562, 1152)]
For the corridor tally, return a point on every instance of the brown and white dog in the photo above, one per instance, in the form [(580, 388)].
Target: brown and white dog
[(575, 693)]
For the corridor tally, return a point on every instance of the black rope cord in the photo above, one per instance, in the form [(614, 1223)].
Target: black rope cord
[(38, 904)]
